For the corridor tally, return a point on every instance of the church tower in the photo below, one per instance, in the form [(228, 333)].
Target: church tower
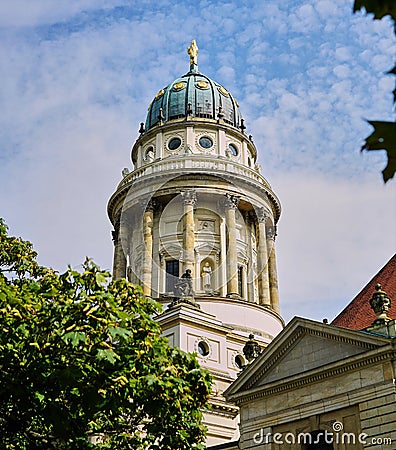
[(195, 225)]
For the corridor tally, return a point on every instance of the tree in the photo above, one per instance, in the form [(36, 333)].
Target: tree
[(81, 358), (384, 135)]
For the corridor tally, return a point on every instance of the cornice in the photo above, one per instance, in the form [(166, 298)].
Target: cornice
[(188, 175), (223, 409), (316, 375), (332, 333)]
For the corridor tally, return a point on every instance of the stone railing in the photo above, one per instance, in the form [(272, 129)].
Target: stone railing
[(192, 163)]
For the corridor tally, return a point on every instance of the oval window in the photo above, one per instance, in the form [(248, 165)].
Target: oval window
[(174, 143), (205, 142), (203, 348), (233, 149), (239, 361)]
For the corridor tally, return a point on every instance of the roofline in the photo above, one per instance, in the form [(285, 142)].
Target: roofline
[(250, 375)]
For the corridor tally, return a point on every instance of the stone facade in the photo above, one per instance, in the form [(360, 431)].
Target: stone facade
[(318, 378)]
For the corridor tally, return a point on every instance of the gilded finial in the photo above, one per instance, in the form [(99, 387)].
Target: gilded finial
[(193, 52)]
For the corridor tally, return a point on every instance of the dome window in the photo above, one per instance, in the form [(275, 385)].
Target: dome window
[(205, 142), (202, 84), (203, 348), (233, 149), (159, 94), (179, 86), (174, 143), (223, 91)]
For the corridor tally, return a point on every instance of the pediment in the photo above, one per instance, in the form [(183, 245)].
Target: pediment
[(302, 347), (207, 248)]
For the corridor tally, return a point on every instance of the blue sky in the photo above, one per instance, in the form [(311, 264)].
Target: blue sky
[(77, 77)]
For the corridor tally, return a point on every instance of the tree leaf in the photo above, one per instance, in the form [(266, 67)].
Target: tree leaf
[(108, 355), (75, 337), (383, 138), (379, 8)]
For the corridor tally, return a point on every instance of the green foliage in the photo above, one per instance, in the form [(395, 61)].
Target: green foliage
[(379, 8), (82, 359), (384, 137), (384, 134)]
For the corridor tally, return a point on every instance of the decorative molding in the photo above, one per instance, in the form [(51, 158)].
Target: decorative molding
[(299, 335), (231, 201), (271, 232), (262, 214), (189, 196), (316, 377)]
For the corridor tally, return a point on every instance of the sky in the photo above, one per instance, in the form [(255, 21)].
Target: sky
[(77, 77)]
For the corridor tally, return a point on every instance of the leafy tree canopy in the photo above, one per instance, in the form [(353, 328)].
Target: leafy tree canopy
[(384, 135), (82, 360)]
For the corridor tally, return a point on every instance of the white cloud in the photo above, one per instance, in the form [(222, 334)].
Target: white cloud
[(333, 237), (305, 76), (21, 13)]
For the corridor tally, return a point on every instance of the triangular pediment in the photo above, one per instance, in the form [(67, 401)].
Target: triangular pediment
[(302, 347)]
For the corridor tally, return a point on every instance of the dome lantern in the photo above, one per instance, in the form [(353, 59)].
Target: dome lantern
[(193, 95)]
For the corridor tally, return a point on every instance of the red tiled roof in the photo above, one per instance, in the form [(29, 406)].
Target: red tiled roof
[(358, 314)]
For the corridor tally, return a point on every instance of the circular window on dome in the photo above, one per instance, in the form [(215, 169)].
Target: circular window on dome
[(233, 149), (160, 94), (179, 86), (223, 91), (174, 143), (203, 348), (205, 142), (201, 84)]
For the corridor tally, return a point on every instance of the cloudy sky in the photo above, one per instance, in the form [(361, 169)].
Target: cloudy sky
[(77, 77)]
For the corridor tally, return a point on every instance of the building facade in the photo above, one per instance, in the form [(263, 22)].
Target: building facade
[(195, 225), (324, 387)]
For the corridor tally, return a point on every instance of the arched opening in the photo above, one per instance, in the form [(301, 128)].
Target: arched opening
[(206, 271)]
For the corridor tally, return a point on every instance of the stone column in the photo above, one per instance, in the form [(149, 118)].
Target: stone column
[(273, 274), (262, 259), (148, 216), (223, 253), (231, 205), (250, 221), (190, 199), (119, 239)]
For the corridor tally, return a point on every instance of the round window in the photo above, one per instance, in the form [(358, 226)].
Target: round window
[(239, 361), (233, 149), (203, 348), (205, 142), (174, 143)]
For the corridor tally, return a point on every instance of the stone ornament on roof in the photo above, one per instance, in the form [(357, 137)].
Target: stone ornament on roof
[(251, 349), (380, 303)]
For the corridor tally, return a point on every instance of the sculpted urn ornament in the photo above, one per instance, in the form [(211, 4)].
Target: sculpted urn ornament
[(380, 303), (251, 349)]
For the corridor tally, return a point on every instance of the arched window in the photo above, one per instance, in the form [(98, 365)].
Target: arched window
[(172, 274)]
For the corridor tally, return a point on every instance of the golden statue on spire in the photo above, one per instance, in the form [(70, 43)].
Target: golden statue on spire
[(193, 52)]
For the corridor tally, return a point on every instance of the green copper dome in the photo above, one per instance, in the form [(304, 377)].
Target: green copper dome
[(193, 95)]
